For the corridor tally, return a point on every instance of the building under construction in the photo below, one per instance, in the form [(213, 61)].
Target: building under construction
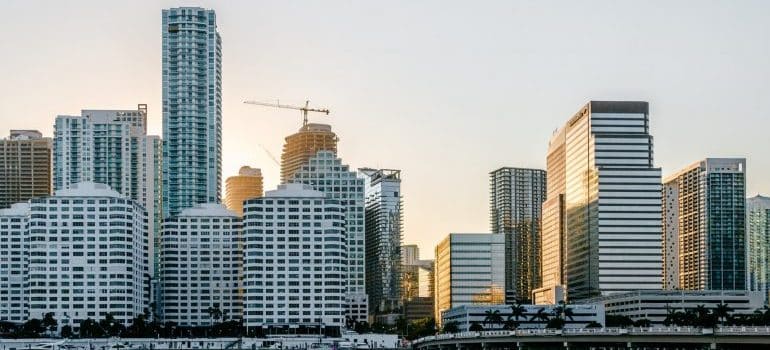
[(303, 145), (246, 185)]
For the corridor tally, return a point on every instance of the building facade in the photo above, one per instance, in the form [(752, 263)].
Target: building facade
[(25, 167), (516, 197), (469, 269), (611, 218), (303, 145), (201, 266), (294, 261), (192, 108), (655, 305), (14, 243), (383, 236), (326, 173), (758, 244), (705, 226), (112, 147), (90, 244), (247, 184)]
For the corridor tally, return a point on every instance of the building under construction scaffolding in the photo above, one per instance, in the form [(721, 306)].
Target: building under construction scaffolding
[(383, 240), (303, 145)]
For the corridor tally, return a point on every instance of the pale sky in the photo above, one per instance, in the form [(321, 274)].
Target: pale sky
[(446, 91)]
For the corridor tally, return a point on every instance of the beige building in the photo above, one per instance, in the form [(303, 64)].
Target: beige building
[(303, 145), (247, 184), (25, 167)]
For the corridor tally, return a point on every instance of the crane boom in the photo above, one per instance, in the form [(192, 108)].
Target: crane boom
[(304, 109)]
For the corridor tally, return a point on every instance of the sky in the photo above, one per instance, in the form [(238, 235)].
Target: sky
[(446, 91)]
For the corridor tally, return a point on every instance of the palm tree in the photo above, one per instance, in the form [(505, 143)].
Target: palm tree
[(214, 312), (541, 315), (722, 312), (49, 323), (493, 317), (517, 310), (450, 327)]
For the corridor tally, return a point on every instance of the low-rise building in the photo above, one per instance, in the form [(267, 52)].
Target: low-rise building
[(654, 305), (502, 316)]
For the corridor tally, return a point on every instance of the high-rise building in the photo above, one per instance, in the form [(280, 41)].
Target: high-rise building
[(201, 266), (25, 167), (758, 244), (516, 199), (383, 239), (326, 173), (704, 226), (111, 147), (192, 109), (303, 145), (609, 218), (89, 252), (469, 269), (294, 262), (14, 243), (416, 284), (410, 254), (246, 185)]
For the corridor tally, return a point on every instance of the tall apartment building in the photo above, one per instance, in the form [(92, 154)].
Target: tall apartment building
[(192, 109), (326, 173), (294, 261), (111, 147), (14, 243), (201, 264), (246, 185), (383, 239), (704, 210), (516, 197), (758, 244), (469, 269), (88, 255), (303, 145), (410, 254), (25, 167), (607, 208)]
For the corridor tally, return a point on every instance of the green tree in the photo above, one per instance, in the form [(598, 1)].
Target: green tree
[(66, 332), (594, 324), (493, 317), (49, 323), (450, 327), (722, 312), (476, 327), (555, 323), (90, 329), (32, 328), (619, 321), (643, 322), (540, 315), (517, 310), (214, 312)]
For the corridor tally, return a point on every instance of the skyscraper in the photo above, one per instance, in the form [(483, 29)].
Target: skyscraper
[(111, 147), (303, 145), (383, 239), (607, 208), (201, 264), (14, 243), (758, 244), (192, 109), (326, 173), (516, 199), (469, 269), (247, 184), (294, 262), (25, 167), (705, 225)]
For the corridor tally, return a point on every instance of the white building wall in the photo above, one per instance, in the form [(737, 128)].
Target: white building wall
[(201, 264), (14, 244)]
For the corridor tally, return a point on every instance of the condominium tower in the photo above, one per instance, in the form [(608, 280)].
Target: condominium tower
[(25, 167), (192, 108), (758, 244), (14, 243), (201, 265), (469, 269), (516, 198), (326, 173), (247, 184), (303, 145), (88, 256), (705, 226), (607, 208), (383, 239), (294, 262)]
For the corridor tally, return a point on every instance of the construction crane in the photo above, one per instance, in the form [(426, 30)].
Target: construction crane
[(304, 109)]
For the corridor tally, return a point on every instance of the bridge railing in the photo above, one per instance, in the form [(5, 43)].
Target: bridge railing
[(743, 330)]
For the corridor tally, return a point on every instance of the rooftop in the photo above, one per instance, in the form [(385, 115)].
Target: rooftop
[(88, 189), (207, 209)]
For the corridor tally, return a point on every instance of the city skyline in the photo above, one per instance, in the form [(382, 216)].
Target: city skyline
[(689, 71)]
